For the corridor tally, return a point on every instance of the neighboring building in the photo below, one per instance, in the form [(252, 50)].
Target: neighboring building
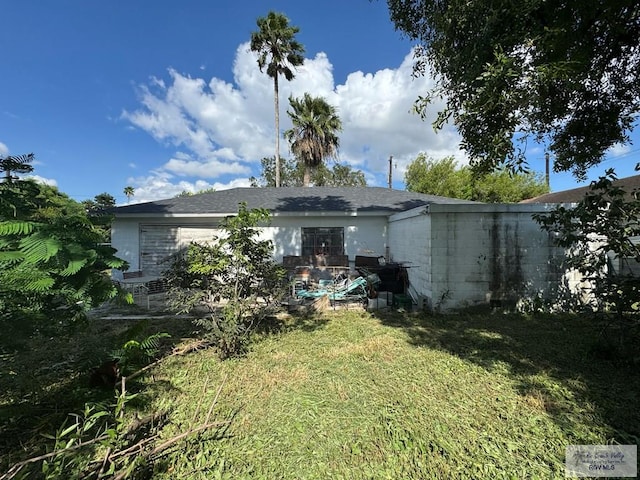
[(574, 195), (457, 253), (617, 265)]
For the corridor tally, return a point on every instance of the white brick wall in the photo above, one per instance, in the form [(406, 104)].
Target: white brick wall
[(475, 254), (410, 241)]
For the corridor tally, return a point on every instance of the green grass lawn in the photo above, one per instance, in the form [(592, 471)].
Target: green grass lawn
[(350, 394)]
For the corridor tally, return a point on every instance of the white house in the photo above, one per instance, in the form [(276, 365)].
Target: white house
[(457, 253)]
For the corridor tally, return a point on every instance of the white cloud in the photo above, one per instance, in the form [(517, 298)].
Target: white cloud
[(208, 169), (161, 184), (4, 150), (43, 180), (620, 150), (376, 111), (221, 130)]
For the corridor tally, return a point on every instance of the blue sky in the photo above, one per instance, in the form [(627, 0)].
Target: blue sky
[(164, 96)]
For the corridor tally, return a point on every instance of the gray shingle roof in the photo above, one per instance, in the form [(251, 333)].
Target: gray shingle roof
[(290, 199), (574, 195)]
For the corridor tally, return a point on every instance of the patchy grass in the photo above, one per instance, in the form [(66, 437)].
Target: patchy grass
[(353, 395), (44, 378)]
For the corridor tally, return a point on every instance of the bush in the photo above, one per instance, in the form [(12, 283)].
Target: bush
[(232, 280)]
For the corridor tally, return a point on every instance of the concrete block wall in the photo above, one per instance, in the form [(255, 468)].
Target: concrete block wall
[(468, 254), (410, 238), (496, 255)]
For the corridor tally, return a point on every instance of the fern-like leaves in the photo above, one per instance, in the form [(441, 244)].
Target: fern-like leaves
[(17, 227), (38, 248)]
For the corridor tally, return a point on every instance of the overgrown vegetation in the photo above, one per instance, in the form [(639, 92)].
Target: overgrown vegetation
[(445, 178), (52, 263), (139, 349), (348, 394), (101, 436), (598, 234), (230, 283)]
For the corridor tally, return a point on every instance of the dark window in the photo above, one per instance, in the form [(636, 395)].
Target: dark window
[(322, 241)]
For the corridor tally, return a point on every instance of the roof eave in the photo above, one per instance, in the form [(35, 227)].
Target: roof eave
[(305, 213)]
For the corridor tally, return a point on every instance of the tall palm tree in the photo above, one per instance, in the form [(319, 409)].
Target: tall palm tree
[(314, 136), (129, 192), (16, 164), (279, 52)]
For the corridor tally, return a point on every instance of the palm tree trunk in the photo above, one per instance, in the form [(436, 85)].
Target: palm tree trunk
[(277, 109), (306, 179)]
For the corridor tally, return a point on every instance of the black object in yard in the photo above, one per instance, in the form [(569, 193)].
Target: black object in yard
[(393, 276)]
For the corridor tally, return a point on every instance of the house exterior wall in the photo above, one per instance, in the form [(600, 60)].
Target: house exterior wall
[(481, 254), (126, 235), (363, 235), (410, 245), (458, 255)]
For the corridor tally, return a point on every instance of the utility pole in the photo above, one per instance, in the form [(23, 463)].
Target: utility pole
[(546, 168), (390, 170)]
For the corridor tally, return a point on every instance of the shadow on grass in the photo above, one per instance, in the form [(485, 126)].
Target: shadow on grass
[(42, 384), (306, 321), (45, 378), (558, 363)]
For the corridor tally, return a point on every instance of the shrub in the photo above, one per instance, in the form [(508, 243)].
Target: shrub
[(232, 281), (597, 232)]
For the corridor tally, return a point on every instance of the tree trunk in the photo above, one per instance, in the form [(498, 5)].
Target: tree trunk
[(306, 179), (277, 109)]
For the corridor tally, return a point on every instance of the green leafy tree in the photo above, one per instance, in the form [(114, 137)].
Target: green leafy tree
[(104, 201), (444, 177), (16, 164), (598, 234), (52, 263), (566, 72), (100, 204), (187, 193), (507, 187), (292, 175), (98, 211), (279, 52), (314, 135), (233, 278), (341, 175), (438, 177)]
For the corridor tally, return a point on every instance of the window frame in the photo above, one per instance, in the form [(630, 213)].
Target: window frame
[(322, 241)]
